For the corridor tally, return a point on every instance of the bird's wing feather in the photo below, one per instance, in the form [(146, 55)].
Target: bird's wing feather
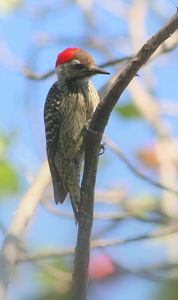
[(52, 130)]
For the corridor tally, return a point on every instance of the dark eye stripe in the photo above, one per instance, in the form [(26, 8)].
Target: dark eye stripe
[(80, 66)]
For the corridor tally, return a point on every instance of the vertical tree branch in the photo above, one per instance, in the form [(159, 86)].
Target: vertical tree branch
[(93, 140), (86, 217)]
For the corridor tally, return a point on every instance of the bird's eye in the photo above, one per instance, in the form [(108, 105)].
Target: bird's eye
[(79, 66)]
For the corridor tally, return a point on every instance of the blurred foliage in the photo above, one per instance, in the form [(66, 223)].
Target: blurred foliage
[(47, 278), (56, 279), (101, 267), (52, 295), (147, 156), (8, 176), (169, 291), (4, 143), (9, 5), (8, 179), (128, 111), (145, 202)]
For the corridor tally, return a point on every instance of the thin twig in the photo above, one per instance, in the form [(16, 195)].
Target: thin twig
[(34, 76), (142, 273), (115, 149), (31, 75), (165, 48), (112, 216), (54, 254), (115, 61), (117, 242)]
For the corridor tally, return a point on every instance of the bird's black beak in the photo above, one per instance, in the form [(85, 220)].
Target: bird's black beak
[(97, 70)]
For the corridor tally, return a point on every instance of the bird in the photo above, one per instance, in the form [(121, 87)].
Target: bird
[(69, 107)]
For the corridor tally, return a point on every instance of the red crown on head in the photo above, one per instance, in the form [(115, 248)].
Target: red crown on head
[(66, 55)]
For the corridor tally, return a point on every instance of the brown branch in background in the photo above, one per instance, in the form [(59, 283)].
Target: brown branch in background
[(112, 216), (54, 254), (115, 61), (93, 139), (63, 278), (22, 217), (164, 231), (164, 48), (115, 149), (166, 146), (141, 273), (31, 75)]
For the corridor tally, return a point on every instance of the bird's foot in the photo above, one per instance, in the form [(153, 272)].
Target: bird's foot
[(102, 149)]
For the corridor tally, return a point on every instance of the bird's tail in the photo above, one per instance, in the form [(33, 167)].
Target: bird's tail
[(60, 191), (71, 179), (67, 180)]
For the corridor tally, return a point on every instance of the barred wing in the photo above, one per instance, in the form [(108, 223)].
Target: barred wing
[(52, 130)]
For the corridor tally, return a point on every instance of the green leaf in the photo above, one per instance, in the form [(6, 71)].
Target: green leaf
[(8, 179), (47, 278), (52, 295), (6, 141), (128, 111), (3, 145), (144, 202), (169, 291)]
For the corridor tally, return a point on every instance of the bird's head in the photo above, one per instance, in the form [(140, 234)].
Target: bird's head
[(74, 63)]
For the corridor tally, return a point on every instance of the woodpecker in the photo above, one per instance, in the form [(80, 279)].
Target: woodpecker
[(70, 104)]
